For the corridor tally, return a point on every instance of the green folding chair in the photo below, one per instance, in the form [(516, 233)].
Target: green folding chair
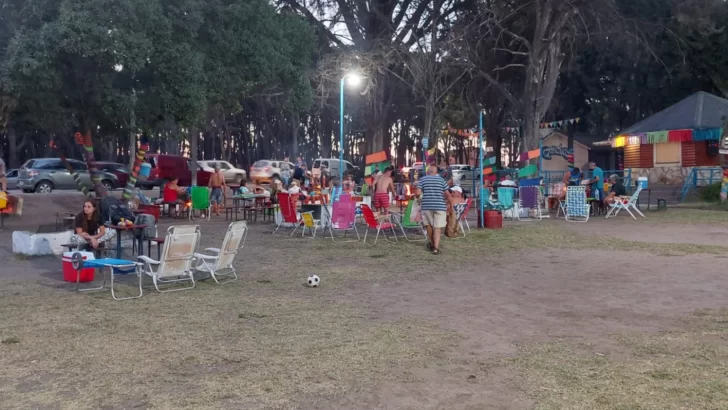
[(406, 223), (200, 201)]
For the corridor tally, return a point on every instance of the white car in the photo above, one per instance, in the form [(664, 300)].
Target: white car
[(266, 170), (232, 174), (461, 173)]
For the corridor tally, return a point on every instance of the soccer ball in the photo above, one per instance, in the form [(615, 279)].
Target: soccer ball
[(313, 281)]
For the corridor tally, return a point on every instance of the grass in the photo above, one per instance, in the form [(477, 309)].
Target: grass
[(198, 349), (550, 235), (710, 215), (674, 370)]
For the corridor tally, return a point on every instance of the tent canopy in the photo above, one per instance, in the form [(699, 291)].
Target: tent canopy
[(699, 111)]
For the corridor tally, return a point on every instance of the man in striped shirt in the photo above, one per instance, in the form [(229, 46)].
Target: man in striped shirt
[(434, 191)]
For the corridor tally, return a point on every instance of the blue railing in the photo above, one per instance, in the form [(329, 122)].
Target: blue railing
[(700, 177)]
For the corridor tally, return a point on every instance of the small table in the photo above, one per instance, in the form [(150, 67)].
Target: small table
[(238, 199), (119, 229), (123, 267)]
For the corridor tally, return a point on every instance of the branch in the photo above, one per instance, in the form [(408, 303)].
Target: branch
[(313, 20)]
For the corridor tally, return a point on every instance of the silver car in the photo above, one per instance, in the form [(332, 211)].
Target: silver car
[(460, 173), (232, 174), (265, 171), (43, 175), (12, 177)]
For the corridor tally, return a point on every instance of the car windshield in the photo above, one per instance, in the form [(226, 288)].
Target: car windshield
[(28, 164), (261, 164)]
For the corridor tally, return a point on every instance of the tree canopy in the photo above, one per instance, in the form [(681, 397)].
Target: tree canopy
[(250, 79)]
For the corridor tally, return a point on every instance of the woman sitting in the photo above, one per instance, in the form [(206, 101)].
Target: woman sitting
[(455, 205), (89, 232), (173, 193)]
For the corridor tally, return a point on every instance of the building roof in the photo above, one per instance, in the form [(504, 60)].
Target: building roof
[(700, 110)]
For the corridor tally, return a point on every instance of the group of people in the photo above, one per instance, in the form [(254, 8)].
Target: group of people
[(574, 177)]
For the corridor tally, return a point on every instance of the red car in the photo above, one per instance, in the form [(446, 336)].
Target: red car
[(165, 167), (120, 170)]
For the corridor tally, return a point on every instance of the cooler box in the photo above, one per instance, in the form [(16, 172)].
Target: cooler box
[(144, 171), (69, 274), (642, 181)]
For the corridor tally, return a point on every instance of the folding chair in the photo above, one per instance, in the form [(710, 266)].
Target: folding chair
[(410, 222), (200, 198), (530, 197), (343, 217), (461, 210), (381, 223), (220, 265), (309, 223), (576, 208), (620, 204), (288, 214), (178, 253), (507, 202)]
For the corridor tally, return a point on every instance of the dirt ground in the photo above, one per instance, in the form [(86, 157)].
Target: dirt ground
[(605, 315)]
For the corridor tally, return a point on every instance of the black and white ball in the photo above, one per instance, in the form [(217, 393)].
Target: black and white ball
[(313, 281)]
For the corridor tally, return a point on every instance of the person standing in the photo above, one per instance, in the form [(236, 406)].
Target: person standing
[(597, 182), (435, 194), (286, 172), (218, 187), (3, 171), (382, 187)]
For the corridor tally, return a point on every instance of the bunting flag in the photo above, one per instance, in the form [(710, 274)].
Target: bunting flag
[(657, 137), (527, 171), (672, 136), (487, 171), (559, 124), (489, 161), (534, 153), (680, 135), (707, 135)]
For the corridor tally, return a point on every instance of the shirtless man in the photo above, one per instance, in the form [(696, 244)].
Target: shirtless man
[(382, 187), (218, 187)]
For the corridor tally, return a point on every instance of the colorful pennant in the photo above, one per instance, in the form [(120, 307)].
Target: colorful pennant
[(560, 124)]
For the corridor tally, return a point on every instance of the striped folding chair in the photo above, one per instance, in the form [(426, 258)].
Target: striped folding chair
[(576, 206)]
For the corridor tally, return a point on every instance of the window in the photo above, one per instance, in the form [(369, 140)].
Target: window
[(224, 165), (50, 164), (77, 166), (349, 167), (667, 154)]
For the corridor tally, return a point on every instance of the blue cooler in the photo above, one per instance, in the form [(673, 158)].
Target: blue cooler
[(642, 182), (144, 170)]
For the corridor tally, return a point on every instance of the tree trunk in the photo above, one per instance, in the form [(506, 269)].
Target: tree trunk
[(194, 135), (13, 148)]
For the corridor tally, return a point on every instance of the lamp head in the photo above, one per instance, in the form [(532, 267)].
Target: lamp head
[(354, 79)]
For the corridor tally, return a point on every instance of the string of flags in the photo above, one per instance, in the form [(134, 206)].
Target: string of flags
[(525, 156), (560, 124), (661, 137)]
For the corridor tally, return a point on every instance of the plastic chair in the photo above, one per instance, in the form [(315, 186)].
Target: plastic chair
[(343, 217), (576, 208), (620, 204), (175, 266), (407, 222), (221, 264), (506, 201), (200, 196), (530, 197), (287, 207), (381, 223)]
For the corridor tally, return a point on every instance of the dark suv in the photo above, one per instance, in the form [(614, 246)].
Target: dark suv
[(43, 175)]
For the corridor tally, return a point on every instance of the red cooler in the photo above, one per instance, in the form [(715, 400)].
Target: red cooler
[(69, 274)]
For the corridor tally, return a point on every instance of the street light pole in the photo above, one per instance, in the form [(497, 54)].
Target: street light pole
[(355, 79), (482, 190), (341, 131)]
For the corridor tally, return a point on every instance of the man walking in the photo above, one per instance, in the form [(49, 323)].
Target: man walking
[(218, 187), (434, 191)]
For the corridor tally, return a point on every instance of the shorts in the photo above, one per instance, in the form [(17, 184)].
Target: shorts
[(216, 196), (381, 200), (435, 219)]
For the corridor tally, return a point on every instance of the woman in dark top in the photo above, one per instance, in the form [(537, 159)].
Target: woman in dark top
[(88, 230), (616, 191)]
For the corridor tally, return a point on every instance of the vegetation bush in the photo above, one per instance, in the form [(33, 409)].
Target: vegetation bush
[(711, 193)]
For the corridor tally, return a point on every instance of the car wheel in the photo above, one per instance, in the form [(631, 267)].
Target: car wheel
[(44, 187), (107, 185)]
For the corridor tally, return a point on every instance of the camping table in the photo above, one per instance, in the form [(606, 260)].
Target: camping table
[(649, 198), (238, 199), (115, 266), (119, 229)]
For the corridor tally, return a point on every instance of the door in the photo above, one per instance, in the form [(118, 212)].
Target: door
[(82, 171), (227, 171), (56, 172)]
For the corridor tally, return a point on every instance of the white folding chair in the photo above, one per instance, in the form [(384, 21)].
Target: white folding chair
[(178, 253), (619, 204), (576, 208), (220, 265)]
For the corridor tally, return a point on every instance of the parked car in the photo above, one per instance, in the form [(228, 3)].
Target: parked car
[(332, 164), (461, 173), (232, 174), (120, 170), (267, 170), (43, 175), (12, 177), (165, 167)]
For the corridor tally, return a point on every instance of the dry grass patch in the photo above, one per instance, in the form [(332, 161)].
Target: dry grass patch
[(211, 347), (687, 216), (675, 370)]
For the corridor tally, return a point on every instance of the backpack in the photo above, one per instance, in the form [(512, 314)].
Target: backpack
[(150, 231), (113, 210)]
